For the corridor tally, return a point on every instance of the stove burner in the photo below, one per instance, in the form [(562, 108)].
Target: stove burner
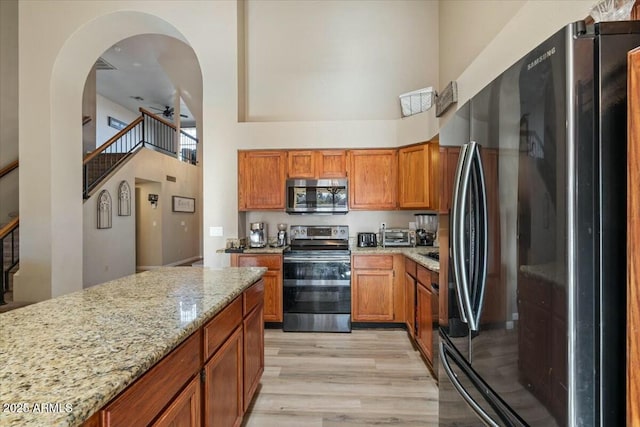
[(433, 255)]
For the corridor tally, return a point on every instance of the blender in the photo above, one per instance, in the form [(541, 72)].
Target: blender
[(426, 228), (282, 235)]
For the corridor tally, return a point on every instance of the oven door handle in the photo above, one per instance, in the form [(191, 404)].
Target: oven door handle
[(315, 260)]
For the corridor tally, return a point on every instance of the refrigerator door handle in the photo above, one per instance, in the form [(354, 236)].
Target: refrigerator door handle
[(470, 176), (480, 243), (457, 231), (484, 416)]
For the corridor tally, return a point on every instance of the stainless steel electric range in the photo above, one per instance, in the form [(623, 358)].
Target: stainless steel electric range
[(317, 279)]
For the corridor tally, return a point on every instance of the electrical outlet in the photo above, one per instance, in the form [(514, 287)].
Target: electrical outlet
[(383, 225)]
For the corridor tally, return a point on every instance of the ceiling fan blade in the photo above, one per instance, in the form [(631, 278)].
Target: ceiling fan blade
[(182, 115)]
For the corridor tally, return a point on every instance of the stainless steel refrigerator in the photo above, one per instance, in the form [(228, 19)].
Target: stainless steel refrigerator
[(534, 332)]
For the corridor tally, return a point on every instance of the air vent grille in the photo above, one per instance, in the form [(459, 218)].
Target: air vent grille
[(101, 64)]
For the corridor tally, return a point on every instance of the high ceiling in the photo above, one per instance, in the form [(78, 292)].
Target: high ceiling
[(138, 79)]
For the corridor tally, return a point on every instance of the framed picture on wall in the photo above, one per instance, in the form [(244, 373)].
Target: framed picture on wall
[(115, 123), (184, 204)]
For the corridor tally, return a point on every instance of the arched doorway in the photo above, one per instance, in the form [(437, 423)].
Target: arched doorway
[(50, 175)]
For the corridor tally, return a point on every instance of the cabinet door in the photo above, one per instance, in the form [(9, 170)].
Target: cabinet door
[(273, 296), (410, 303), (414, 177), (372, 295), (261, 180), (302, 164), (373, 179), (424, 331), (434, 176), (223, 384), (253, 352), (185, 409), (272, 281), (332, 164)]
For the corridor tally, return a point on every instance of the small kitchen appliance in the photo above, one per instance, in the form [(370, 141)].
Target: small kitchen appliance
[(397, 237), (257, 235), (282, 235), (367, 240), (426, 228)]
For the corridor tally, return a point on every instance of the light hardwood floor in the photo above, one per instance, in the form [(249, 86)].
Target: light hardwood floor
[(365, 378)]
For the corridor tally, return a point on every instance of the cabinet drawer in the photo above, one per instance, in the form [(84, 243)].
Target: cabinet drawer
[(380, 262), (221, 326), (410, 267), (141, 402), (424, 276), (253, 296), (272, 262)]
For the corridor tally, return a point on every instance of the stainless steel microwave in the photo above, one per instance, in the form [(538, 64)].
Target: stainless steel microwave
[(317, 196)]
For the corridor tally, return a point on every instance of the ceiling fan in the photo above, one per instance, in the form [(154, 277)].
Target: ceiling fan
[(168, 112)]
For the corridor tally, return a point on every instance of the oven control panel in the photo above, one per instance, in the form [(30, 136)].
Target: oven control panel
[(319, 232)]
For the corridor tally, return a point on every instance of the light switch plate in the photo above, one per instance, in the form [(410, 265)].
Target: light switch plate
[(216, 232)]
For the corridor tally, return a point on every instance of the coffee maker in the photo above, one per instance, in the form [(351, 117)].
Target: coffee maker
[(257, 235), (426, 229), (282, 235)]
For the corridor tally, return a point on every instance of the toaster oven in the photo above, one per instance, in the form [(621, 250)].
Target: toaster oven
[(398, 237)]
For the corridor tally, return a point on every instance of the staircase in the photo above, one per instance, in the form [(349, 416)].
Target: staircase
[(10, 255), (9, 246), (148, 130)]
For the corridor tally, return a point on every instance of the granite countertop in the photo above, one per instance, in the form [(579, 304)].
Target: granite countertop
[(414, 253), (265, 250), (72, 354)]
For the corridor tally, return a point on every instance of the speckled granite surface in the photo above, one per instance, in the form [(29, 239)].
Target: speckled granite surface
[(413, 253), (71, 355)]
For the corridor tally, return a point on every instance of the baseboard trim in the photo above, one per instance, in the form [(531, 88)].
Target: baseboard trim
[(172, 264)]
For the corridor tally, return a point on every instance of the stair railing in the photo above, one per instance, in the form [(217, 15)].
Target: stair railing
[(147, 130), (8, 233), (10, 167), (100, 162)]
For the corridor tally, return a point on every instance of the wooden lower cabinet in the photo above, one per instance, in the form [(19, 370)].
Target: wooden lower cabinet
[(410, 295), (185, 410), (253, 353), (272, 281), (424, 321), (372, 295), (208, 380), (377, 288), (223, 387)]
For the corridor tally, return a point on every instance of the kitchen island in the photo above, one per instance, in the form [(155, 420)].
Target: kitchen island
[(64, 359)]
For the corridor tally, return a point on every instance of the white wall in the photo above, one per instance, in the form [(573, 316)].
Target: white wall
[(105, 108), (89, 108), (530, 24), (337, 60), (8, 105), (163, 236)]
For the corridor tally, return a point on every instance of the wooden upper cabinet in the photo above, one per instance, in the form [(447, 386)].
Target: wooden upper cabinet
[(413, 177), (261, 180), (301, 164), (434, 176), (418, 176), (332, 164), (317, 164), (373, 179)]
